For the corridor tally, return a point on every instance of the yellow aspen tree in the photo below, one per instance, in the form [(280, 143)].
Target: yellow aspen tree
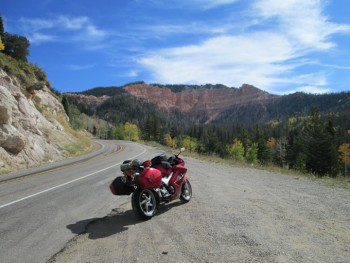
[(190, 143), (2, 47), (237, 150), (170, 141), (344, 151), (271, 143), (131, 131)]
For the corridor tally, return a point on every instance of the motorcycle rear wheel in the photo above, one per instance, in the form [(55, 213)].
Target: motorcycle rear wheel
[(144, 203), (186, 191)]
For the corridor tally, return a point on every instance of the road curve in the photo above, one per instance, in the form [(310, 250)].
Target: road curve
[(37, 205)]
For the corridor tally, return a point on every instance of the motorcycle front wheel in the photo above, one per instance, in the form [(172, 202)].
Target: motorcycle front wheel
[(186, 191), (144, 203)]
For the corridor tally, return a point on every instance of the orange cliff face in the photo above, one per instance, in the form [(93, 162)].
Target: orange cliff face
[(199, 101), (161, 98)]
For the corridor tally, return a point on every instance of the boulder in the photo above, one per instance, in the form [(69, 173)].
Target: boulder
[(14, 144), (11, 140)]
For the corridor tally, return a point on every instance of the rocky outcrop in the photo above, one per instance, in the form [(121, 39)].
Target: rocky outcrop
[(90, 100), (31, 126), (10, 138), (201, 101), (201, 104)]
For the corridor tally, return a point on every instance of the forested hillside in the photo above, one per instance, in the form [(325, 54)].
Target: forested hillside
[(302, 131), (294, 105)]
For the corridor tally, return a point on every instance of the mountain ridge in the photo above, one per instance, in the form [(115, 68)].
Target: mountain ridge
[(214, 103)]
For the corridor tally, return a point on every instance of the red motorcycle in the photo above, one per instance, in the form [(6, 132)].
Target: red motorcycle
[(153, 182)]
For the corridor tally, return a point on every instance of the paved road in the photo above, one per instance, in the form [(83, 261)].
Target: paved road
[(236, 215), (37, 205)]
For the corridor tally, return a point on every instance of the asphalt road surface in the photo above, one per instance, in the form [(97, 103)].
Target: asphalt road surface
[(236, 215), (38, 204)]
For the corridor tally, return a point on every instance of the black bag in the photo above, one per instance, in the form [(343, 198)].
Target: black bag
[(121, 187)]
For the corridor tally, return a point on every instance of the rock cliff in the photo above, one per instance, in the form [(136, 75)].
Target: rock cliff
[(33, 125), (201, 101), (188, 104)]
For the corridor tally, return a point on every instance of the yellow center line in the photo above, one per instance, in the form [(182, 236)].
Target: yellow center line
[(62, 167)]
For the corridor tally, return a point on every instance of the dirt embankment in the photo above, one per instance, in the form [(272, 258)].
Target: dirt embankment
[(236, 215)]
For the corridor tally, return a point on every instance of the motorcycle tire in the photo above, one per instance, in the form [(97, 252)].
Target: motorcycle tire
[(144, 203), (186, 191)]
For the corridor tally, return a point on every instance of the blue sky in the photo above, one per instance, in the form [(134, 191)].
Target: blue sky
[(278, 46)]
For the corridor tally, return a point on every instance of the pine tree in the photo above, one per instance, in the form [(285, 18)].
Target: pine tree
[(295, 150), (146, 131), (16, 46), (252, 153), (156, 133), (2, 28), (320, 146), (264, 154)]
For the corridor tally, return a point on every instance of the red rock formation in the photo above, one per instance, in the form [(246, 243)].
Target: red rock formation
[(199, 101)]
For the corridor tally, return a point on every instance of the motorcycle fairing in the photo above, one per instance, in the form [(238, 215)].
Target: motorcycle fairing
[(149, 178)]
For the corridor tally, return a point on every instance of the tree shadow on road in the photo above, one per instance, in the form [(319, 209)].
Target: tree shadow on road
[(116, 222)]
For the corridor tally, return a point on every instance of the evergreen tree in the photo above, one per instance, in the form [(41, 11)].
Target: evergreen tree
[(264, 154), (16, 46), (147, 127), (295, 150), (65, 105), (244, 138), (2, 28), (320, 150), (156, 132), (252, 153)]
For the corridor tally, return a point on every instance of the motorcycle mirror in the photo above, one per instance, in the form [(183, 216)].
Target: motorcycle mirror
[(181, 150)]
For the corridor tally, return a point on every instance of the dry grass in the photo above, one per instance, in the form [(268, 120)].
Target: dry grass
[(82, 144)]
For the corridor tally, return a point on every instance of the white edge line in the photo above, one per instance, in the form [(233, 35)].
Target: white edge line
[(60, 185)]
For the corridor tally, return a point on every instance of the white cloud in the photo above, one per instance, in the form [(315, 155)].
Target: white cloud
[(62, 29), (228, 60), (40, 38), (193, 4), (266, 55), (132, 73), (80, 67), (213, 3), (73, 23), (309, 89), (302, 20)]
